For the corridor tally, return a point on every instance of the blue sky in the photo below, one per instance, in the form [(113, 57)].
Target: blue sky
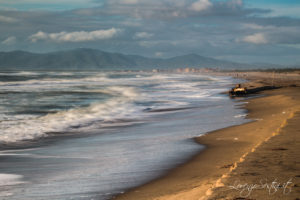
[(238, 30)]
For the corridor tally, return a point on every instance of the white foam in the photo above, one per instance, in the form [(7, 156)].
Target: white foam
[(172, 90), (76, 119), (21, 73), (240, 116), (10, 179)]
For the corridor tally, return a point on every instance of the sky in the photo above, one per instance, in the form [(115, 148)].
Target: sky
[(249, 31)]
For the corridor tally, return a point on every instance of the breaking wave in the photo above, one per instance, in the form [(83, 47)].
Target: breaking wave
[(34, 104), (119, 107)]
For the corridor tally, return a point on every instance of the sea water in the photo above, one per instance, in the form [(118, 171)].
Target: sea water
[(92, 135)]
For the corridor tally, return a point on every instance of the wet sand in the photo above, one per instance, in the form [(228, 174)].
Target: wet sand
[(265, 148)]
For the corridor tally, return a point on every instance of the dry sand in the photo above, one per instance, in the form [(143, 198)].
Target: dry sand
[(256, 154)]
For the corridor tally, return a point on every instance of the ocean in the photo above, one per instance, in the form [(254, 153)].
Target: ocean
[(92, 135)]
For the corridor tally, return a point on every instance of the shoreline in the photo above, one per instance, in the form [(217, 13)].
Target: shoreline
[(227, 148), (109, 160)]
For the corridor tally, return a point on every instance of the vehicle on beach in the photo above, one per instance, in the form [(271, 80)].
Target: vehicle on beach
[(238, 90)]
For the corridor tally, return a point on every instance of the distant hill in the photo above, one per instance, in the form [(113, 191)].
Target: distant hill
[(95, 59)]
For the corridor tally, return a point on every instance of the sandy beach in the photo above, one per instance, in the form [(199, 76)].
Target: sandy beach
[(256, 160), (149, 100)]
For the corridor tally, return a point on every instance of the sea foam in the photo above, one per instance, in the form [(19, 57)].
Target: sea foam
[(82, 101)]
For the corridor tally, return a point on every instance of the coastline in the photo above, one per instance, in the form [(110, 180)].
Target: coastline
[(101, 162), (204, 175)]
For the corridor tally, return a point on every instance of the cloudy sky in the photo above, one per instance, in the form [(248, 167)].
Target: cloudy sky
[(239, 30)]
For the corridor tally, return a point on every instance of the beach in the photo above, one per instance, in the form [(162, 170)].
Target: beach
[(103, 132), (257, 153), (149, 100), (142, 135)]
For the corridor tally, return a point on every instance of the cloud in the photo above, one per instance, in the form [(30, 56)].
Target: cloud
[(9, 41), (235, 3), (159, 54), (257, 38), (128, 1), (78, 36), (253, 26), (173, 27), (170, 9), (271, 34), (201, 5), (143, 35), (7, 19), (131, 23), (284, 35), (148, 44)]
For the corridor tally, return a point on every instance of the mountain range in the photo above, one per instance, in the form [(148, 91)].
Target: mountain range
[(83, 58)]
